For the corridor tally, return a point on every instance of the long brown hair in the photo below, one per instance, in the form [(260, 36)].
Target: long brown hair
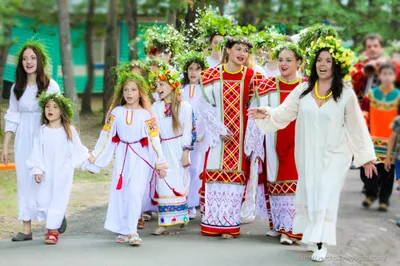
[(175, 106), (144, 101), (225, 57), (21, 78), (65, 121)]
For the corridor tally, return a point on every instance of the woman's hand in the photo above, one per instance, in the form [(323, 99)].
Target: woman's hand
[(185, 158), (388, 165), (228, 137), (370, 169), (161, 173), (257, 112), (38, 178), (4, 156)]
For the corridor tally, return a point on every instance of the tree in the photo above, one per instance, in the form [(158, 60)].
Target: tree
[(65, 43), (130, 12), (87, 96), (110, 54)]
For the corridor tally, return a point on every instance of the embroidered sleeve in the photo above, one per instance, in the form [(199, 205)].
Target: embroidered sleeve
[(154, 135), (104, 150)]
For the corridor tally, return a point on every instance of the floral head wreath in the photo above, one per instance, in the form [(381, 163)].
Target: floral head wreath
[(123, 77), (311, 34), (208, 23), (240, 34), (342, 56), (39, 47), (167, 37), (267, 39), (170, 76), (287, 46), (125, 68), (65, 104), (185, 59)]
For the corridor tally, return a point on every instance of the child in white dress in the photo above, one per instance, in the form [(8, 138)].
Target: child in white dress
[(131, 133), (57, 150)]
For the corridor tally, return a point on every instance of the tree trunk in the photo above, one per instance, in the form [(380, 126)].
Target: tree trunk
[(110, 54), (130, 13), (190, 14), (171, 17), (87, 96), (3, 56), (65, 43), (220, 5), (249, 16)]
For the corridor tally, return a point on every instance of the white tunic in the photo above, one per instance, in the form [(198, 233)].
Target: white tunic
[(326, 138), (271, 73), (125, 134), (172, 206), (211, 61), (23, 118), (193, 95), (54, 157)]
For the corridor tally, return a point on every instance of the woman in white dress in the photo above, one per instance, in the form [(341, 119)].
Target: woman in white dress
[(57, 150), (330, 129), (193, 63), (23, 119), (131, 133), (176, 121)]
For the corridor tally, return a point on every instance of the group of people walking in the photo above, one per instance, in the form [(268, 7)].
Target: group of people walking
[(219, 134)]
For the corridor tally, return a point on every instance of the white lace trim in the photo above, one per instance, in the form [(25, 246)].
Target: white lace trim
[(254, 140)]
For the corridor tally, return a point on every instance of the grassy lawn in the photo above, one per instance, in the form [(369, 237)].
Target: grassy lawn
[(85, 184)]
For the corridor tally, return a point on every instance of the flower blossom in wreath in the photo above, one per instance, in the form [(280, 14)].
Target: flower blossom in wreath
[(170, 76), (290, 47), (342, 56)]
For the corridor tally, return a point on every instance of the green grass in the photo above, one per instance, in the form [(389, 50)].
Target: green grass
[(86, 176)]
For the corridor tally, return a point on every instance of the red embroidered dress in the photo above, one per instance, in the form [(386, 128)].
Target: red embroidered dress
[(226, 166)]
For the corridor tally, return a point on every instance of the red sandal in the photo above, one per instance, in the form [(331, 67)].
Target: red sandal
[(51, 238)]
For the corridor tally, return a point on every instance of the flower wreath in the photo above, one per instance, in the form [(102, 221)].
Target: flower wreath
[(39, 47), (268, 39), (170, 76), (125, 76), (315, 32), (342, 56), (63, 103), (184, 60), (167, 37), (287, 46)]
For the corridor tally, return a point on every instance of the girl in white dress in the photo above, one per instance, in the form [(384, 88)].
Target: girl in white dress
[(330, 129), (177, 136), (132, 134), (57, 150), (23, 119), (192, 64)]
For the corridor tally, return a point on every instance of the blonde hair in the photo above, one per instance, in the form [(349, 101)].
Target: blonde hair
[(144, 101), (225, 58)]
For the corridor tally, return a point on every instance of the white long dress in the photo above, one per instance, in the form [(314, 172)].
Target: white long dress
[(133, 136), (54, 157), (326, 138), (173, 189), (23, 118), (194, 95)]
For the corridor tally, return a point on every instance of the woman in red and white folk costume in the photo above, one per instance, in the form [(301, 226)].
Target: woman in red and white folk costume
[(279, 168), (226, 90)]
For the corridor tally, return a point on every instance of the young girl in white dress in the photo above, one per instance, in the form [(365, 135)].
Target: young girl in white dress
[(131, 133), (23, 120), (177, 136), (193, 63), (57, 150)]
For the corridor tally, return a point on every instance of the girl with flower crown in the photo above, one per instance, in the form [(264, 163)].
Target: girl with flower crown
[(57, 150), (278, 178), (132, 134), (23, 119), (177, 136), (226, 90), (193, 63), (329, 130)]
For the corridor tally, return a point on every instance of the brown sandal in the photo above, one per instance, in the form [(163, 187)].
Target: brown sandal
[(140, 224)]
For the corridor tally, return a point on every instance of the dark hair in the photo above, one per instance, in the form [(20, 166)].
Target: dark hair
[(387, 65), (21, 78), (186, 79), (373, 36), (337, 81), (65, 121), (213, 35)]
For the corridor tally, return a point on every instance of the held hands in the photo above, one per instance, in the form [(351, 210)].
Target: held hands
[(257, 112), (185, 158), (228, 137), (370, 169), (161, 173), (38, 178)]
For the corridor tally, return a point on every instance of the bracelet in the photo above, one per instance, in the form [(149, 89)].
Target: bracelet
[(187, 148)]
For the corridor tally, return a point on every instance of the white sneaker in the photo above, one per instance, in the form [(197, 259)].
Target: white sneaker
[(319, 254), (285, 240), (273, 233), (192, 213)]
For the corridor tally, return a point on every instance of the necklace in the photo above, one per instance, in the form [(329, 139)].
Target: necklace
[(233, 73), (289, 83), (319, 96)]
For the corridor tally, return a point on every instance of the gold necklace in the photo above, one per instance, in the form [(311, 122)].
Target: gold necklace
[(233, 73), (289, 83), (319, 96)]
